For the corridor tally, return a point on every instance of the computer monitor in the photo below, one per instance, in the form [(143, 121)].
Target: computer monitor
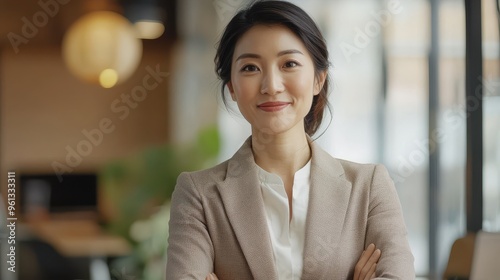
[(74, 193)]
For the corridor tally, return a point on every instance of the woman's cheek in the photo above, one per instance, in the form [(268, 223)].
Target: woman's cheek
[(248, 88)]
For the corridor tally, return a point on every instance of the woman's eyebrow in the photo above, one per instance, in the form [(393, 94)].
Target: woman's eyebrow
[(291, 51), (253, 55), (248, 55)]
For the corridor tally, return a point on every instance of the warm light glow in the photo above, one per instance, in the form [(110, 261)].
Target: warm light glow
[(149, 29), (102, 48), (108, 78)]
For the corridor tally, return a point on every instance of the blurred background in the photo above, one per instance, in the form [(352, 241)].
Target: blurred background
[(104, 102)]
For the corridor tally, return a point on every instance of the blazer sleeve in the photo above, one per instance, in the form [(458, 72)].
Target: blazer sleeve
[(190, 251), (386, 229)]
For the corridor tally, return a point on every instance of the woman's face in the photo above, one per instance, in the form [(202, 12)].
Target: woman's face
[(273, 79)]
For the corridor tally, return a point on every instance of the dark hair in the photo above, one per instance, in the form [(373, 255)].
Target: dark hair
[(299, 22)]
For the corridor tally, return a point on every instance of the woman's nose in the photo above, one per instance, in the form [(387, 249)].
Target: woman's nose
[(272, 83)]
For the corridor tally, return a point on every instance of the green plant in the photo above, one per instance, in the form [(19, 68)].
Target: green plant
[(138, 190)]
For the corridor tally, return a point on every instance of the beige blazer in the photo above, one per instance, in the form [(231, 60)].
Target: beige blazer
[(218, 222)]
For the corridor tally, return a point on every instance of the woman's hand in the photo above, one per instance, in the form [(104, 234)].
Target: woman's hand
[(367, 264), (211, 276)]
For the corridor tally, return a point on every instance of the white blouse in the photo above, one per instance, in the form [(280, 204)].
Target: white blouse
[(287, 235)]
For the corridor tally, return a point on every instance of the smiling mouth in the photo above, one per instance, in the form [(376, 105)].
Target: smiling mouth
[(273, 106)]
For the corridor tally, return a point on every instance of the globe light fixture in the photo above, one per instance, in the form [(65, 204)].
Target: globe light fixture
[(102, 48)]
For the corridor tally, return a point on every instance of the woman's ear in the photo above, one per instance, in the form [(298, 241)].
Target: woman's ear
[(319, 81), (231, 90)]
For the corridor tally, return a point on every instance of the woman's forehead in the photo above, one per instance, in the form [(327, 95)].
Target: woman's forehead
[(268, 39)]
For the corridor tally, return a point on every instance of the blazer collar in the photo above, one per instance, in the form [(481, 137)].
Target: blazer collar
[(328, 201), (242, 198)]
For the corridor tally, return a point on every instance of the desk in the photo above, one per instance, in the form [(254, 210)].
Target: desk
[(81, 238)]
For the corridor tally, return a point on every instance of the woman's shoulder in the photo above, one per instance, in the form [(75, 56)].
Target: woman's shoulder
[(356, 171), (366, 173), (213, 174), (352, 166)]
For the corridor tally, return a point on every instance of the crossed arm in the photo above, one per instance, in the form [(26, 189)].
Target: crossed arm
[(364, 270)]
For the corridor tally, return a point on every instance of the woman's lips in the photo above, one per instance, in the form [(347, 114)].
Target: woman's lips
[(273, 106)]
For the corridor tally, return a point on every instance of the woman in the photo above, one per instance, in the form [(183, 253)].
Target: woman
[(281, 207)]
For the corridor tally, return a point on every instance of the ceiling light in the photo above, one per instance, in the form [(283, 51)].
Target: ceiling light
[(148, 29)]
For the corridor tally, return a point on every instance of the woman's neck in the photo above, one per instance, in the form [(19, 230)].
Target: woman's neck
[(282, 154)]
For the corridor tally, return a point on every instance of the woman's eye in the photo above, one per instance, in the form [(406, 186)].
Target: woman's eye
[(291, 64), (250, 68)]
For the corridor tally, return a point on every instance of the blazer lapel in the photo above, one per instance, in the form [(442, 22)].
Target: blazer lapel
[(328, 201), (242, 199)]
